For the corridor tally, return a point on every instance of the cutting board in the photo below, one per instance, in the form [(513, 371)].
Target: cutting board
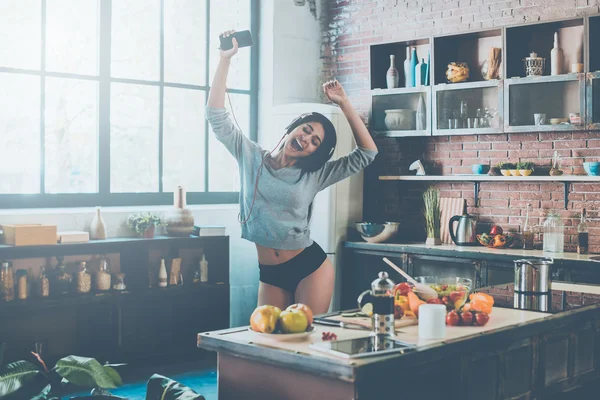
[(366, 321), (449, 207)]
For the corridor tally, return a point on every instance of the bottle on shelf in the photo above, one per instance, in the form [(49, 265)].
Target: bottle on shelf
[(22, 284), (409, 71), (103, 276), (556, 57), (7, 282), (554, 233), (84, 279), (162, 274), (43, 283), (583, 236), (62, 278), (203, 269), (392, 75), (527, 232)]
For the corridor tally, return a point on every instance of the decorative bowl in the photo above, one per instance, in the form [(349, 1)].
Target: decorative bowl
[(491, 242), (514, 172), (400, 119), (377, 233), (592, 168), (525, 172), (480, 169)]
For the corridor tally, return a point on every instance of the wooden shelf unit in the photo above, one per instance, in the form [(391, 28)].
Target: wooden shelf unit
[(579, 38)]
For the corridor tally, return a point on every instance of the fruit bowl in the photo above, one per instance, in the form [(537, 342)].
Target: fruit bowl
[(447, 288), (285, 336), (495, 241)]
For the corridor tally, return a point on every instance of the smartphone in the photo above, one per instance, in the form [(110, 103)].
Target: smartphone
[(244, 39)]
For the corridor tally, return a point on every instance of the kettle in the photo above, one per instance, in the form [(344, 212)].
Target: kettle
[(466, 231), (381, 296)]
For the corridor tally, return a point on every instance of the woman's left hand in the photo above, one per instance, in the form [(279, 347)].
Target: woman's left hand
[(335, 92)]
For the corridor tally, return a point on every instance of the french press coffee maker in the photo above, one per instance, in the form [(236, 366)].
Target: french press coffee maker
[(381, 296)]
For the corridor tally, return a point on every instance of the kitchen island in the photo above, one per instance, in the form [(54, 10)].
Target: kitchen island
[(518, 354)]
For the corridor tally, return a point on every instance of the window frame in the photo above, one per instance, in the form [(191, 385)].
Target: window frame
[(103, 197)]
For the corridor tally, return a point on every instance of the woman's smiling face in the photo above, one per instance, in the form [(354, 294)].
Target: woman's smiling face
[(304, 140)]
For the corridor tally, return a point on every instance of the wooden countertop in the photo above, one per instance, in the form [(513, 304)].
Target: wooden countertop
[(478, 252), (299, 356)]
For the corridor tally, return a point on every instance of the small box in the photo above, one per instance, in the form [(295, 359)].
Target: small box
[(28, 235), (73, 237)]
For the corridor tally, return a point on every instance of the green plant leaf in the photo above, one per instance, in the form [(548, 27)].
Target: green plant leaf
[(16, 375), (85, 372), (114, 375), (46, 394)]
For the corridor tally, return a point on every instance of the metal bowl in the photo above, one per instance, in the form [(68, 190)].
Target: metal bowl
[(377, 233)]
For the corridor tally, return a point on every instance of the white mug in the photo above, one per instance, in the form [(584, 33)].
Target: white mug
[(432, 321)]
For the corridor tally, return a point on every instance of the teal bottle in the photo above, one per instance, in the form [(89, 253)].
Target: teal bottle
[(413, 65), (420, 71), (427, 69)]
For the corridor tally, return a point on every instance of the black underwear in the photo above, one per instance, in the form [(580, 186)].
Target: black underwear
[(288, 275)]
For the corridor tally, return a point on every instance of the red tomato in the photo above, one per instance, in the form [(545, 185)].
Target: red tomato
[(481, 318), (403, 288), (496, 230), (452, 318), (466, 317)]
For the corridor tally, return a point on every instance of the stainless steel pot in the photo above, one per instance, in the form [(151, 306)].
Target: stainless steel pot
[(466, 231), (533, 276)]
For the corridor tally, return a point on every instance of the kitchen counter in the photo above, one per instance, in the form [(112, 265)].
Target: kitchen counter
[(518, 353), (479, 252)]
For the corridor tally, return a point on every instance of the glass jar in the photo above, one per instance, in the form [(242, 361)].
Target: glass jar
[(7, 281), (22, 286), (103, 276), (62, 279), (119, 283), (554, 233), (84, 279), (43, 284)]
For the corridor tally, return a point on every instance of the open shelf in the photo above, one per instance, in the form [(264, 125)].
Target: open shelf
[(380, 60), (593, 100), (594, 46), (477, 179), (472, 48), (521, 40), (553, 96)]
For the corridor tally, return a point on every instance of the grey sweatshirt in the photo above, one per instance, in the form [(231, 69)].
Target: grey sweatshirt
[(279, 218)]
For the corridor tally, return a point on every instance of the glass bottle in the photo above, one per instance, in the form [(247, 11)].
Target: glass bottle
[(62, 279), (43, 285), (197, 274), (84, 279), (527, 232), (583, 235), (7, 281), (22, 289), (119, 283), (554, 233), (103, 276)]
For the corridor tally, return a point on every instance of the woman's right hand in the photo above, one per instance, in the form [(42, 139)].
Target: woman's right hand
[(228, 54)]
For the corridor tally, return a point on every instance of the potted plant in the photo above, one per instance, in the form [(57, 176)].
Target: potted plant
[(505, 168), (432, 214), (144, 224), (525, 168)]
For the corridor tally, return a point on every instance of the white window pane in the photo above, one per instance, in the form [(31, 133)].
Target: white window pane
[(185, 38), (183, 140), (72, 36), (20, 138), (20, 33), (222, 167), (226, 15), (136, 39), (71, 136), (134, 138)]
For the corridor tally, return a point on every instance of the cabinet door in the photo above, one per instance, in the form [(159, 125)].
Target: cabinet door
[(593, 101)]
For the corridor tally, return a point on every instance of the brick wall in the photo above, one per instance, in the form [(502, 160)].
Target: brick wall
[(355, 24)]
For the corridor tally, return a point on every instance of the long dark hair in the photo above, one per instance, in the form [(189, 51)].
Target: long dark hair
[(315, 161)]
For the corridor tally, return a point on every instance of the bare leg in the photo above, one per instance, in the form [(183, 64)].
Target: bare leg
[(273, 296), (316, 289)]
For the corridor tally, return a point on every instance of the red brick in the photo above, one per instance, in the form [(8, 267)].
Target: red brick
[(494, 203), (537, 145), (448, 146), (585, 135), (477, 146), (512, 154), (506, 146), (523, 137), (493, 154), (594, 144), (556, 136), (493, 138), (534, 195), (570, 144)]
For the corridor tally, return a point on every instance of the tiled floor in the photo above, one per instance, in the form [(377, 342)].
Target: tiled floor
[(203, 382)]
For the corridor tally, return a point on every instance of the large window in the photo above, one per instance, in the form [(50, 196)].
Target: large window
[(102, 101)]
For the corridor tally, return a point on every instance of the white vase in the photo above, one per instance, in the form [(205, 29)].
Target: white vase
[(421, 114), (392, 74), (556, 58), (162, 274), (97, 227), (408, 70)]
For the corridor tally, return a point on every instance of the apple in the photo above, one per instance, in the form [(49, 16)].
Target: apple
[(403, 288), (305, 308), (264, 319), (293, 321), (496, 230)]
